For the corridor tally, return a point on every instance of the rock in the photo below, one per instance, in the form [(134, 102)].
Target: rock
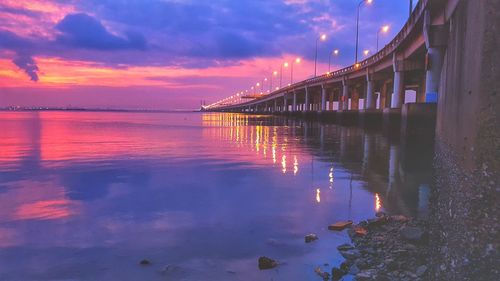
[(321, 273), (145, 262), (267, 263), (351, 254), (345, 247), (412, 234), (391, 264), (376, 222), (361, 264), (310, 238), (380, 214), (344, 266), (354, 270), (337, 273), (360, 231), (369, 274), (341, 225), (399, 218), (421, 270)]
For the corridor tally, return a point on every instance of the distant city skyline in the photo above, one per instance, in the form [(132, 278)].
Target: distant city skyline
[(172, 54)]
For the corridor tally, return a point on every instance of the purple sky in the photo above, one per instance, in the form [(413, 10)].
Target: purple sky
[(170, 54)]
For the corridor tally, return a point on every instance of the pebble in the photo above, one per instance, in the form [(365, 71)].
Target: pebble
[(267, 263), (310, 238)]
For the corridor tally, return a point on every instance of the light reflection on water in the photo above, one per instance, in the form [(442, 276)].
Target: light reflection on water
[(85, 195)]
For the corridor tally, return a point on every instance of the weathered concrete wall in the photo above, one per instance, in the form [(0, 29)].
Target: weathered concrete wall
[(466, 202)]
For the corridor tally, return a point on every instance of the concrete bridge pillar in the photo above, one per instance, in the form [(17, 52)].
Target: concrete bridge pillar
[(285, 103), (323, 97), (294, 102), (370, 95), (433, 74), (344, 101), (275, 105), (306, 103), (435, 40), (398, 90)]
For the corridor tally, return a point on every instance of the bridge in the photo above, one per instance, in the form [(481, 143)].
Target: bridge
[(377, 85), (448, 53)]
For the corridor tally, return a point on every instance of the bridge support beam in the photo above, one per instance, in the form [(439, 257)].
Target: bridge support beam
[(344, 101), (323, 97), (370, 95), (306, 103), (398, 90), (294, 102), (436, 37), (285, 103), (435, 58)]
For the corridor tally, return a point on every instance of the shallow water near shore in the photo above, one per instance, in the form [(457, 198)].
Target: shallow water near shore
[(88, 195)]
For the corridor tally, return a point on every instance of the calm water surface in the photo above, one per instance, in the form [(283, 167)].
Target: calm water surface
[(86, 195)]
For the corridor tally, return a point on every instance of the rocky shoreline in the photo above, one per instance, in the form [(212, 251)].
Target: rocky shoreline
[(384, 248)]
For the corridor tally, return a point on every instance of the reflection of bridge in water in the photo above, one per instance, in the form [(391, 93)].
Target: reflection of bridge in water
[(397, 173)]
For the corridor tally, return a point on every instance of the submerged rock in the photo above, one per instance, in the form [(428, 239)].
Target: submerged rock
[(145, 262), (267, 263), (341, 225), (350, 254), (310, 238), (354, 270), (321, 273), (337, 273), (345, 247)]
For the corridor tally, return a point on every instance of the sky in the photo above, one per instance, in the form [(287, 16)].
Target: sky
[(171, 54)]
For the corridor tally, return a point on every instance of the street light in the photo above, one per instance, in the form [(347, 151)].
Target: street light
[(366, 52), (333, 53), (383, 29), (322, 38), (357, 25), (281, 71), (297, 60), (275, 73)]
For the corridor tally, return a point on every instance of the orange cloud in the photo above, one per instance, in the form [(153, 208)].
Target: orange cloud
[(60, 73)]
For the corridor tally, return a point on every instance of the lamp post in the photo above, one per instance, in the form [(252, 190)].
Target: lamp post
[(262, 87), (297, 60), (322, 38), (281, 71), (333, 53), (275, 73), (383, 29), (357, 26), (366, 52)]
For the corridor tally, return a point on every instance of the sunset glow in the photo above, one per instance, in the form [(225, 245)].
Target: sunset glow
[(118, 55)]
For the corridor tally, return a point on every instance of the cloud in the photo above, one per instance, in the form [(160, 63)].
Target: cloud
[(83, 31), (22, 49), (28, 64), (11, 41)]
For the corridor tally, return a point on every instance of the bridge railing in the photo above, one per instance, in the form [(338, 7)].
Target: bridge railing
[(375, 58)]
